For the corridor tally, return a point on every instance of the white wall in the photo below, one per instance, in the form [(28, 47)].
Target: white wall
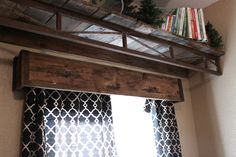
[(11, 107), (186, 124), (213, 97)]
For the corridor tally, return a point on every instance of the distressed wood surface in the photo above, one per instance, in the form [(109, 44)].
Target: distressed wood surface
[(40, 70), (79, 17), (122, 23), (102, 56)]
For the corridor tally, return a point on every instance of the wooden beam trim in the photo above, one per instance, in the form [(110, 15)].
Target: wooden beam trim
[(52, 33), (145, 45), (92, 32), (105, 57), (44, 71), (181, 90), (58, 21), (96, 21), (124, 40)]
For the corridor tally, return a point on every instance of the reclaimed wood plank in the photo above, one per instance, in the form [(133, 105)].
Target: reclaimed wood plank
[(37, 41), (45, 71)]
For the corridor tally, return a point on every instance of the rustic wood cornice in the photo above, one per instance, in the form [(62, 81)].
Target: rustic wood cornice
[(45, 71)]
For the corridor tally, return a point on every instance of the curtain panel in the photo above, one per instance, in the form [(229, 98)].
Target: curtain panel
[(165, 127), (67, 124)]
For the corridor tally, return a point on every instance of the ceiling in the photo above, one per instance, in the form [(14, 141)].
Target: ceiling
[(184, 3)]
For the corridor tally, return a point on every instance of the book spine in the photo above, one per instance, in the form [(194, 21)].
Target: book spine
[(177, 21), (200, 24), (167, 23), (185, 29), (189, 23), (194, 26), (181, 21), (203, 26), (197, 23), (170, 23), (173, 23)]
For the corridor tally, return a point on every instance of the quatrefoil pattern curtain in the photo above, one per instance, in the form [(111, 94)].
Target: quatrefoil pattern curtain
[(165, 127), (67, 124)]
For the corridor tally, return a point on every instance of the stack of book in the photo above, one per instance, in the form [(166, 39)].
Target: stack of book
[(188, 22)]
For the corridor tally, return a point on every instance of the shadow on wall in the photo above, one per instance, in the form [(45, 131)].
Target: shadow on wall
[(6, 59), (205, 115), (212, 96)]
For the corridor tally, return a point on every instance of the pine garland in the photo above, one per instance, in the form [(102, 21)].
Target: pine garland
[(214, 38), (149, 13), (129, 8)]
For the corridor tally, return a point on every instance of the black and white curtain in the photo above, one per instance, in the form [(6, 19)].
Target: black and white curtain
[(67, 124), (74, 124), (165, 127)]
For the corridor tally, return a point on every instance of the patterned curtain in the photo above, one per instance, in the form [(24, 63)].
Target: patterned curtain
[(67, 124), (165, 127)]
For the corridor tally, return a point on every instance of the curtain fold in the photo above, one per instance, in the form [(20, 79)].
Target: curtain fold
[(165, 127), (67, 124)]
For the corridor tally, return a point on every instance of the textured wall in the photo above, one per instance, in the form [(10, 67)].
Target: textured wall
[(214, 98), (186, 124), (11, 107)]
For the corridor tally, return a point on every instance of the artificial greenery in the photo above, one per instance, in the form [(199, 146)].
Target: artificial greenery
[(129, 8), (147, 12), (214, 38)]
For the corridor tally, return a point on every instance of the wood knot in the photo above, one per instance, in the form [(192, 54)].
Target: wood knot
[(152, 90)]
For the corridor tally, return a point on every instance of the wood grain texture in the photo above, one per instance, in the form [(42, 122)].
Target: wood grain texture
[(40, 70), (188, 54), (33, 40), (121, 23)]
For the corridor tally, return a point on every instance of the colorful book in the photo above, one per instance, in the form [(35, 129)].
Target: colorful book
[(188, 22), (197, 24), (200, 23), (190, 35), (181, 24), (203, 25), (178, 14), (167, 23), (185, 29), (194, 24), (173, 23), (170, 23)]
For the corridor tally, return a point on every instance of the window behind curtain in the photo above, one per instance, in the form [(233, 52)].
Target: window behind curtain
[(67, 124), (75, 124), (133, 127)]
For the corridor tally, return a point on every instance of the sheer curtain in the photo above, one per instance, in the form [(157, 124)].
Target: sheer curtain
[(67, 124), (165, 127)]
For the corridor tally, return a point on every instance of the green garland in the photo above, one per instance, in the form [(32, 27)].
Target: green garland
[(129, 8), (147, 12), (214, 38)]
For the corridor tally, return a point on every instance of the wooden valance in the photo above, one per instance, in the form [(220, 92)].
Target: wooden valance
[(46, 71)]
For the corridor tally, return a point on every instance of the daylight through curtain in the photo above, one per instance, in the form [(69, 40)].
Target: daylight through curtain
[(165, 127), (67, 124)]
